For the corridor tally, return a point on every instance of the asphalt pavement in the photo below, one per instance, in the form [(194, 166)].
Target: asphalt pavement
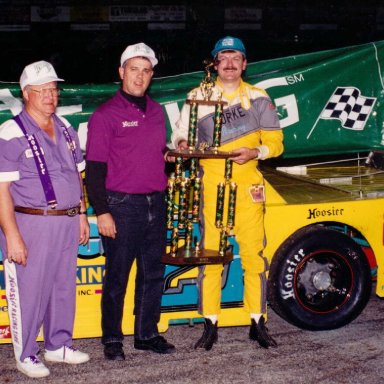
[(349, 355)]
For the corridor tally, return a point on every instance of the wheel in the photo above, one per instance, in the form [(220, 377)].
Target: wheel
[(319, 279)]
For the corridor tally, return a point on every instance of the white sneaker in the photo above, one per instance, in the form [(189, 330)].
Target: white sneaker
[(32, 367), (67, 355)]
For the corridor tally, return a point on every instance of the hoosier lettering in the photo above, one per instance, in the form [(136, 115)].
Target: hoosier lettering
[(315, 212), (289, 276)]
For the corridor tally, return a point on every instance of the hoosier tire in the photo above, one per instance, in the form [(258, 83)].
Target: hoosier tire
[(319, 279)]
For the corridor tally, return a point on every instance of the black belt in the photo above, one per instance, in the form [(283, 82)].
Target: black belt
[(49, 212)]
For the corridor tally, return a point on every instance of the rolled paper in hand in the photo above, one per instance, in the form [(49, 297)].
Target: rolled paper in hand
[(170, 202), (174, 241), (183, 204), (228, 169), (220, 204), (231, 205), (218, 125), (196, 200), (192, 125), (223, 242)]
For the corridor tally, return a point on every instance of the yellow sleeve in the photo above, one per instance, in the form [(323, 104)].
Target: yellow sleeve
[(271, 143)]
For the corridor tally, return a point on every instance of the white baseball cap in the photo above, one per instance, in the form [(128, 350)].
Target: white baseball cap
[(136, 50), (38, 73)]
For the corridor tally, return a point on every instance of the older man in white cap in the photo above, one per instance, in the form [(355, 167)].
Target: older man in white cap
[(126, 185), (42, 220)]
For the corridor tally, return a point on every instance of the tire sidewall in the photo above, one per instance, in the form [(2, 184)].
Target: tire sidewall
[(289, 261)]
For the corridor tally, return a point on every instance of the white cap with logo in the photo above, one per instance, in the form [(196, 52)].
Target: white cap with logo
[(139, 50), (38, 73)]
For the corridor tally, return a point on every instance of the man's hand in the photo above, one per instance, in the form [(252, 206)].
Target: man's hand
[(106, 225), (244, 154), (183, 144), (16, 250), (84, 230)]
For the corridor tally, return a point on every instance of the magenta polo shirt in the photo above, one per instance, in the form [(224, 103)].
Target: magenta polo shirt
[(17, 164), (131, 142)]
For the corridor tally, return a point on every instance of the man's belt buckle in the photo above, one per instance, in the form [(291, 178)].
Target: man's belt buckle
[(72, 211)]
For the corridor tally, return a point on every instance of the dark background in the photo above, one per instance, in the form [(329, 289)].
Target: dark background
[(269, 29)]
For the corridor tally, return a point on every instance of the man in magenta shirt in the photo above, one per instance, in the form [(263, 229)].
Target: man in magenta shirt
[(126, 182)]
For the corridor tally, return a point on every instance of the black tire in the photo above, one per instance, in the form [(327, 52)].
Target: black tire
[(319, 279)]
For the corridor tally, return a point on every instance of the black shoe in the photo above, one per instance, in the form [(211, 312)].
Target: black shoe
[(259, 333), (209, 336), (157, 344), (114, 351)]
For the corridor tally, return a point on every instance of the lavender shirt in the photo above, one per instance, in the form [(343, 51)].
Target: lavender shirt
[(18, 165)]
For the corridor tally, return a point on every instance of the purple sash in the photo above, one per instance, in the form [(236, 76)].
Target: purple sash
[(68, 138)]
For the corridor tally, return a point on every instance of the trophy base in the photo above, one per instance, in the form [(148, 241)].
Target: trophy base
[(204, 256), (201, 153)]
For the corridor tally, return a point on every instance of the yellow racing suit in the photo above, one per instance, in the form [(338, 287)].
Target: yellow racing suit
[(248, 120)]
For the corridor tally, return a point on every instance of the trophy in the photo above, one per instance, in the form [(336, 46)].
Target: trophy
[(184, 190)]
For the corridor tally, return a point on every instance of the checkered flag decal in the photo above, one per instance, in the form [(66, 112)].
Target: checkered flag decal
[(349, 107)]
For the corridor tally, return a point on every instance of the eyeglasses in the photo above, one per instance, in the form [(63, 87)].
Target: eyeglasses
[(47, 92)]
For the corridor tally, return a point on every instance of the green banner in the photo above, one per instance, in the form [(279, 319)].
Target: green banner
[(329, 102)]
